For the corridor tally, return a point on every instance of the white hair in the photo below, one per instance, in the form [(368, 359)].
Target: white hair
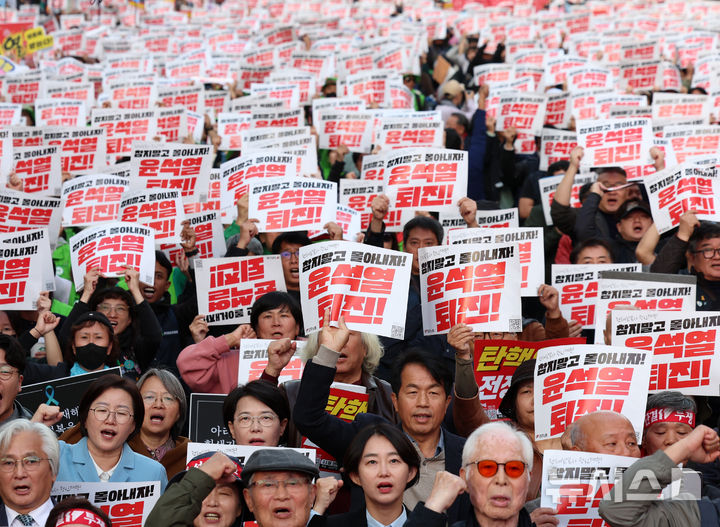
[(50, 444), (371, 343), (497, 428)]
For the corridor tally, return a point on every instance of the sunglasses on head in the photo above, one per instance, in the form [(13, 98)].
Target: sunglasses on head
[(488, 468)]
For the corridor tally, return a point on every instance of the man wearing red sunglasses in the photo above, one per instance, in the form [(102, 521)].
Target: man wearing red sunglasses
[(497, 460)]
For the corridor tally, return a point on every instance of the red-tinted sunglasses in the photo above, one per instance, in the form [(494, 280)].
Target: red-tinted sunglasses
[(488, 468)]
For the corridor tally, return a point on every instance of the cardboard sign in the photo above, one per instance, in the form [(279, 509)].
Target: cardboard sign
[(577, 285), (675, 190), (689, 141), (365, 285), (571, 381), (528, 245), (160, 210), (228, 287), (495, 362), (292, 203), (81, 149), (171, 166), (235, 175), (684, 347), (550, 183), (425, 179), (205, 420), (406, 133), (352, 129), (125, 503), (475, 285), (253, 360), (65, 393), (124, 127), (111, 247), (21, 211), (615, 142), (91, 199), (662, 292), (556, 146), (60, 112), (39, 169), (524, 111)]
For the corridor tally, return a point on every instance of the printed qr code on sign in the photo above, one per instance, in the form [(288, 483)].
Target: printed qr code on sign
[(397, 332), (515, 325)]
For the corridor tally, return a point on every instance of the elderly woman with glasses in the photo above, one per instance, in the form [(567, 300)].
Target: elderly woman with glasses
[(111, 412)]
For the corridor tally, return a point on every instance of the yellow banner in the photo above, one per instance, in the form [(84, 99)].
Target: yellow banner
[(26, 43)]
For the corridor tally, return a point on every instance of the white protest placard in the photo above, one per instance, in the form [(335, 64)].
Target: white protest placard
[(10, 114), (20, 211), (369, 86), (172, 123), (406, 133), (6, 154), (228, 287), (366, 285), (230, 127), (39, 169), (549, 184), (236, 173), (292, 203), (124, 503), (452, 221), (241, 452), (640, 75), (473, 284), (577, 285), (92, 199), (675, 190), (571, 381), (662, 292), (189, 97), (60, 112), (352, 129), (425, 179), (253, 360), (39, 238), (493, 73), (685, 347), (264, 118), (81, 149), (615, 142), (124, 127), (171, 166), (689, 141), (21, 272), (525, 111), (358, 194), (288, 93), (110, 247), (335, 104), (161, 210), (347, 219), (589, 76), (557, 110), (528, 244), (667, 107), (556, 146)]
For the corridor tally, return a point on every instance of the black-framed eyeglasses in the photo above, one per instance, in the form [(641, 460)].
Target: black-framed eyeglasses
[(289, 254), (708, 253)]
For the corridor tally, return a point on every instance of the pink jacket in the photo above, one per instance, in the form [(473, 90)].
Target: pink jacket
[(209, 366)]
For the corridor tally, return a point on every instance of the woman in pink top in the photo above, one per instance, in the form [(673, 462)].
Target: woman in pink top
[(211, 366)]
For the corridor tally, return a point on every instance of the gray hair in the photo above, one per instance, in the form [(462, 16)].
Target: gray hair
[(50, 444), (674, 400), (174, 388), (371, 343), (498, 428)]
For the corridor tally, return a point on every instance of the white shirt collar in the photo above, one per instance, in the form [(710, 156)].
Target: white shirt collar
[(40, 515), (100, 471), (398, 522)]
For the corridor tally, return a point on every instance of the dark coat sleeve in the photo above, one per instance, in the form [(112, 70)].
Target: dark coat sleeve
[(671, 257), (148, 334), (477, 149), (586, 226)]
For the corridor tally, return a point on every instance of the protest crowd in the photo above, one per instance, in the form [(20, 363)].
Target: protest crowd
[(299, 263)]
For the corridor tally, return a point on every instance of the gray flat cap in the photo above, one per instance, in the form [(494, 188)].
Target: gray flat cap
[(273, 460)]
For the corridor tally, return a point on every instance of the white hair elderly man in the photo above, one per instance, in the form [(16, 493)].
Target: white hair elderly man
[(29, 461), (497, 460)]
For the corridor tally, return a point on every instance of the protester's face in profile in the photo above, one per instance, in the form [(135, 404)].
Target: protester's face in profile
[(277, 323), (422, 401), (417, 238), (525, 406), (633, 226), (23, 489), (290, 264), (611, 201), (659, 436), (282, 506), (608, 434), (5, 326), (220, 508), (8, 389), (382, 473), (109, 436), (160, 285), (265, 427), (498, 497), (594, 255), (352, 355), (117, 312), (710, 268)]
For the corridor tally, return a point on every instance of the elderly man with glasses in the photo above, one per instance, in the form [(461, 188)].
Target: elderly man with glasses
[(497, 460), (12, 365), (29, 460)]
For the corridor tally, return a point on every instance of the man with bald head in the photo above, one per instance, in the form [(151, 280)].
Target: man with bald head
[(604, 433)]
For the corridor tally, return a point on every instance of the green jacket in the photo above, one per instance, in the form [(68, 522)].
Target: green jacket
[(182, 501)]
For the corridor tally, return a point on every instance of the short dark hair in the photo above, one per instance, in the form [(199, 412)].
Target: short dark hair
[(674, 400), (299, 237), (69, 355), (164, 262), (591, 242), (14, 352), (558, 166), (113, 293), (399, 441), (462, 120), (69, 504), (432, 363), (602, 170), (424, 222), (274, 300), (453, 141), (109, 382), (704, 231), (264, 392)]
